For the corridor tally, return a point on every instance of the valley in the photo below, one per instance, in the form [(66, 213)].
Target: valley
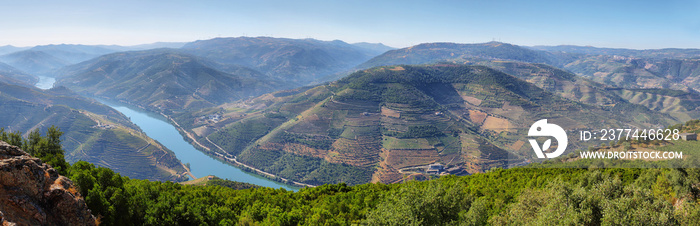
[(467, 107)]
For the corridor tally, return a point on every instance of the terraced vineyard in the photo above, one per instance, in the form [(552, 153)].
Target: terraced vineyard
[(377, 122)]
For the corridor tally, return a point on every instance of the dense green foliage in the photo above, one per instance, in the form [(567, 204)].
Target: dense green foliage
[(230, 184), (307, 140), (47, 148), (515, 196), (535, 195), (236, 137), (305, 169)]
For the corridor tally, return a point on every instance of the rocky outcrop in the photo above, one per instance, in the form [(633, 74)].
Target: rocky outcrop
[(33, 193)]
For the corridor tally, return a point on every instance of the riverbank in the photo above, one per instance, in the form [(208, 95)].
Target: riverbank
[(202, 159), (233, 160)]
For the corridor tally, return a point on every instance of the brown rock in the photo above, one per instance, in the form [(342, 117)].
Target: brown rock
[(33, 193)]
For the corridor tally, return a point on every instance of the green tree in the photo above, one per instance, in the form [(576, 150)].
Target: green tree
[(47, 148)]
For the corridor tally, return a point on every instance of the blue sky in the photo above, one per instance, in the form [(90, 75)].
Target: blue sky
[(622, 24)]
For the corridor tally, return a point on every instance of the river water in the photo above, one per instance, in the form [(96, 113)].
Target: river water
[(201, 165), (45, 82)]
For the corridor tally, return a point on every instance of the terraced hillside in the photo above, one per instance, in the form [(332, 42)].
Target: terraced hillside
[(381, 124), (92, 132), (635, 72), (676, 69), (593, 71)]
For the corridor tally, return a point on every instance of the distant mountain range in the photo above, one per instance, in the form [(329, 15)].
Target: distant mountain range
[(647, 53), (666, 68), (302, 61), (377, 48), (45, 60), (164, 79), (92, 132), (11, 49)]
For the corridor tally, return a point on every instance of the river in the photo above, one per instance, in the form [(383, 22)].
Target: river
[(201, 165), (45, 82)]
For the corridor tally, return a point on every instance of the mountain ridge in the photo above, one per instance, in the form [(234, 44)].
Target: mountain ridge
[(303, 61), (162, 79)]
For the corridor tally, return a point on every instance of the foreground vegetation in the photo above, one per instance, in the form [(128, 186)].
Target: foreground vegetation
[(533, 195)]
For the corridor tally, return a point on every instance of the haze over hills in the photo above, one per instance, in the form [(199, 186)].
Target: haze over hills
[(435, 52), (73, 54), (377, 48), (600, 71), (10, 49), (665, 68), (14, 76), (163, 79), (302, 61), (34, 62), (682, 105), (377, 124), (45, 60), (92, 132), (647, 53)]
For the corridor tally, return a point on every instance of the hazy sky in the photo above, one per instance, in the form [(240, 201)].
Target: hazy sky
[(625, 24)]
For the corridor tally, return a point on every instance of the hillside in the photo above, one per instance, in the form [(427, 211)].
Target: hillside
[(634, 72), (301, 61), (448, 52), (679, 104), (162, 80), (14, 76), (385, 123), (92, 132), (594, 76)]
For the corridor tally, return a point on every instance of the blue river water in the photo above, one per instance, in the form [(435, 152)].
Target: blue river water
[(45, 82), (201, 165)]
